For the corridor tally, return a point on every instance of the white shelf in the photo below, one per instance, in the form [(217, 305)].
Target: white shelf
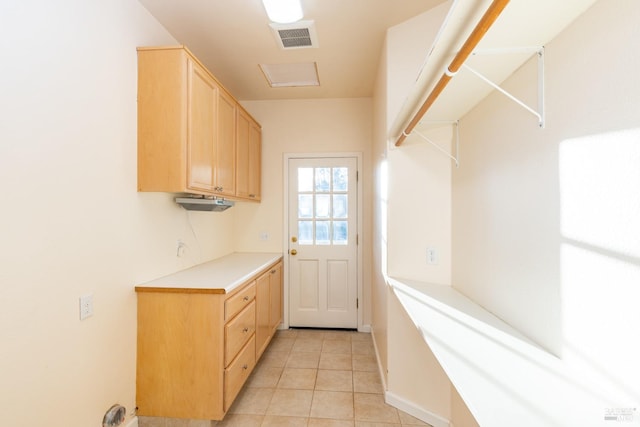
[(523, 27), (504, 378)]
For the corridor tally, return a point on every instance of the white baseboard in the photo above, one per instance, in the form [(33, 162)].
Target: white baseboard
[(404, 405), (412, 409), (133, 422), (365, 328), (383, 377)]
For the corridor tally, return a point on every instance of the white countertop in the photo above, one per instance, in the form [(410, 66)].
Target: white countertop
[(220, 275)]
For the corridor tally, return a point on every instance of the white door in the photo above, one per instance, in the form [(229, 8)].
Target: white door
[(323, 282)]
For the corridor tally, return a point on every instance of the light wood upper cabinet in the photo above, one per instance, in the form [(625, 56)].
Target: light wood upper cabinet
[(225, 159), (188, 139), (248, 157), (201, 132)]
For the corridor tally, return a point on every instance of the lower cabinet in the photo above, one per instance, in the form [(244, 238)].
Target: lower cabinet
[(269, 307), (238, 371), (196, 348)]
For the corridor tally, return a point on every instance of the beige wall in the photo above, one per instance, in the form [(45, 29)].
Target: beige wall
[(415, 375), (546, 222), (460, 414), (306, 126), (379, 224), (412, 213), (72, 221), (419, 177)]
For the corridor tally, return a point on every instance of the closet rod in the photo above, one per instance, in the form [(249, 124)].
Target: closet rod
[(489, 17)]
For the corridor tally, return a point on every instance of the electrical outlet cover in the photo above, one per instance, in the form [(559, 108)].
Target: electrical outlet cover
[(86, 306)]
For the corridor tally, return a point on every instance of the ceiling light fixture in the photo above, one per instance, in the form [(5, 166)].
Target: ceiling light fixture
[(283, 11)]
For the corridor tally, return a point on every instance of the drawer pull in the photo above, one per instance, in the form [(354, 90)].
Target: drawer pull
[(246, 298), (245, 367), (273, 272), (245, 330)]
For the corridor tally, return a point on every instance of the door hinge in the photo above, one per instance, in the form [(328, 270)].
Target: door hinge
[(357, 176), (357, 239), (357, 303)]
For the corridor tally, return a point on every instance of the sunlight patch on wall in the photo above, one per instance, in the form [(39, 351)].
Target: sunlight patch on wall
[(600, 259), (600, 191), (383, 185)]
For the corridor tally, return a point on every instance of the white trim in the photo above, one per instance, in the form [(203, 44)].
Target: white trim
[(402, 404), (365, 329), (285, 229), (383, 378), (133, 422), (414, 410)]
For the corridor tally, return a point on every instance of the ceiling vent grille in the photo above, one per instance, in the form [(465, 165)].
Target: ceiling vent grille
[(298, 35)]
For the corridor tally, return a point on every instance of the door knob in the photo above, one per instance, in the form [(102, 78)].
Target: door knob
[(293, 252), (294, 239)]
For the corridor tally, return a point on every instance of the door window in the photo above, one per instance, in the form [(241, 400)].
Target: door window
[(323, 206)]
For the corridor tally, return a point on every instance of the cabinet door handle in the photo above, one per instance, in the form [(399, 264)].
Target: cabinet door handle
[(273, 272), (245, 330), (245, 367), (252, 196), (246, 298)]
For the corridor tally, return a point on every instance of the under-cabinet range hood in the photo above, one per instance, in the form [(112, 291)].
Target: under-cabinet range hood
[(204, 204)]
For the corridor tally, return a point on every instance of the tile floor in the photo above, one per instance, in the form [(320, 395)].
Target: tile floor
[(314, 378)]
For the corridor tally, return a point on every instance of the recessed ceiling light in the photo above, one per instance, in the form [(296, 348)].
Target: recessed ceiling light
[(291, 75), (283, 11)]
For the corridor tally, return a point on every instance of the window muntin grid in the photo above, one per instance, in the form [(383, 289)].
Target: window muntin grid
[(323, 206)]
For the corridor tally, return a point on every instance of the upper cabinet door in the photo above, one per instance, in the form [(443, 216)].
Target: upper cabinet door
[(225, 158), (248, 155), (242, 154), (255, 161), (201, 117)]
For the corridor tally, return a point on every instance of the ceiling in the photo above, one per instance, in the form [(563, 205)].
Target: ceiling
[(231, 37)]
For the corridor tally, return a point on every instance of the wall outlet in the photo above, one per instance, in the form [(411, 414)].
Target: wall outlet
[(432, 256), (86, 306), (264, 235)]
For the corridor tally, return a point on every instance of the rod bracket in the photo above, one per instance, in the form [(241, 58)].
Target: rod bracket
[(539, 113), (438, 147), (450, 73)]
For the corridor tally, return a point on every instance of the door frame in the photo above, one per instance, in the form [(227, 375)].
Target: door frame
[(285, 231)]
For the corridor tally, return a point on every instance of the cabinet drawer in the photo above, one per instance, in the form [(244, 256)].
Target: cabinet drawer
[(238, 372), (234, 304), (238, 331)]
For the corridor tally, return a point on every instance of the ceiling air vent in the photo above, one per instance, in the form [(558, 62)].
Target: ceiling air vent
[(298, 35)]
